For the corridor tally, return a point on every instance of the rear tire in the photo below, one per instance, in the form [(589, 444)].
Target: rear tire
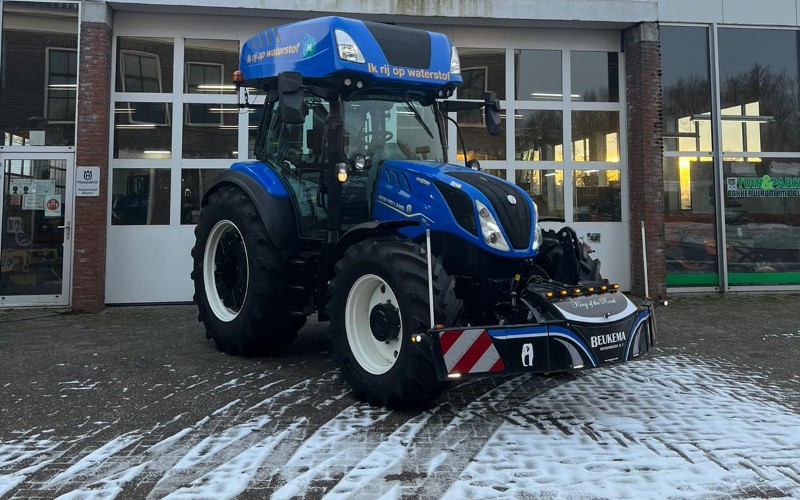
[(239, 278), (380, 363)]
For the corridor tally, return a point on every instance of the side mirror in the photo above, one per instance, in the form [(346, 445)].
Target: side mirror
[(290, 97), (491, 113)]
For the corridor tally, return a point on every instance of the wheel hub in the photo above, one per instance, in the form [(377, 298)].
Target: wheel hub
[(384, 321)]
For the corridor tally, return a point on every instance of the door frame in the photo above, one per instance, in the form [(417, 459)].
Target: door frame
[(47, 153)]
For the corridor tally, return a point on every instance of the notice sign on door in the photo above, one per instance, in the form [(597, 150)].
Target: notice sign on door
[(87, 181), (52, 205)]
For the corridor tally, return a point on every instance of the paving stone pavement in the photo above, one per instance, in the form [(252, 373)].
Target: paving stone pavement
[(134, 402)]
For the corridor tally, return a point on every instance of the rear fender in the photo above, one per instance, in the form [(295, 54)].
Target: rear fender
[(270, 196)]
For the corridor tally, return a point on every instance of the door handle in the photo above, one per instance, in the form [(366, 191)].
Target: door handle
[(67, 228)]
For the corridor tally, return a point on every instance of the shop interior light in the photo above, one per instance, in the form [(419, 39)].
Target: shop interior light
[(63, 86), (207, 86), (157, 152), (124, 110), (136, 125)]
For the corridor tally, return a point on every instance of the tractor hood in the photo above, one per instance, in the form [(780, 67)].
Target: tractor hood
[(449, 198)]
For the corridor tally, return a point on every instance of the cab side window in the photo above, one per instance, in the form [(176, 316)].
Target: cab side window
[(296, 152)]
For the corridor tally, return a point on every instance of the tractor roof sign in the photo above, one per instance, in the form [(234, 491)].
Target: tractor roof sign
[(324, 48)]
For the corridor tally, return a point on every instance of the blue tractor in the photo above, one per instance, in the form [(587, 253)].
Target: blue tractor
[(427, 271)]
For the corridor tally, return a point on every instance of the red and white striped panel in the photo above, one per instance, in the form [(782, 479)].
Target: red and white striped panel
[(469, 351)]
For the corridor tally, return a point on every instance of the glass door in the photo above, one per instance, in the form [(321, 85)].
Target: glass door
[(36, 239)]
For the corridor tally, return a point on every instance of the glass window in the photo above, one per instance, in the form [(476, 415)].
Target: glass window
[(147, 136), (210, 131), (39, 44), (595, 136), (546, 187), (686, 88), (539, 135), (690, 242), (254, 119), (482, 70), (62, 84), (480, 145), (194, 184), (144, 64), (140, 196), (538, 75), (758, 90), (597, 195), (210, 65), (595, 76), (762, 227)]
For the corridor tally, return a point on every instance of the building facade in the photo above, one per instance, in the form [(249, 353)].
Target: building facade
[(629, 119)]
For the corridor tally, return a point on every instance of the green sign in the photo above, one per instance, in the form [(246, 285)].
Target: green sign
[(763, 187)]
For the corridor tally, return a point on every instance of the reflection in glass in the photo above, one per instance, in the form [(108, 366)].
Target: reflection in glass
[(689, 222), (546, 187), (762, 204), (142, 130), (686, 88), (480, 145), (31, 241), (539, 135), (482, 70), (210, 65), (39, 73), (538, 75), (597, 195), (497, 172), (254, 119), (210, 131), (144, 64), (140, 196), (595, 76), (194, 184), (758, 90), (595, 136)]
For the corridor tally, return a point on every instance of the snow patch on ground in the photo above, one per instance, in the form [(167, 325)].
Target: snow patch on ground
[(655, 428)]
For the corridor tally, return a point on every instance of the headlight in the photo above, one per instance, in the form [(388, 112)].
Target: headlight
[(490, 228), (348, 50), (537, 238)]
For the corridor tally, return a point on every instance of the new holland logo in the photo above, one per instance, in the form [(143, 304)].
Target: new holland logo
[(511, 199), (611, 338)]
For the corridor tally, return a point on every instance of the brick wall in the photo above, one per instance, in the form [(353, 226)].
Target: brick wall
[(94, 59), (643, 78)]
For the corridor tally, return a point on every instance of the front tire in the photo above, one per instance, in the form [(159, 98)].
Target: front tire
[(239, 278), (379, 298)]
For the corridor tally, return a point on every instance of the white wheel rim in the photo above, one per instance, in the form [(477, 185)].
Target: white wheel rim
[(217, 303), (372, 355)]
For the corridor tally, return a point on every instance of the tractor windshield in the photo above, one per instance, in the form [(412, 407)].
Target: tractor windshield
[(383, 129)]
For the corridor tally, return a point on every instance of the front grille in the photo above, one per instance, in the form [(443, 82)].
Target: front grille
[(515, 219), (460, 205)]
